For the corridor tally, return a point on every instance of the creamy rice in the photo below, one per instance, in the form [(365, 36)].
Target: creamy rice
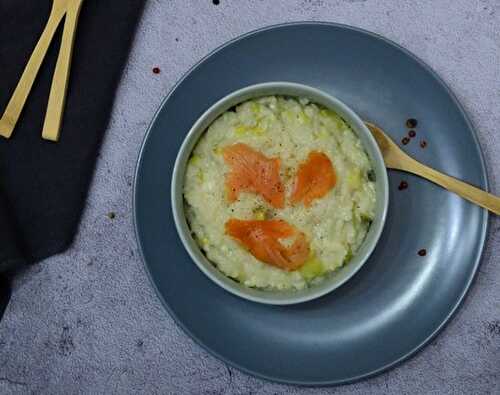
[(290, 129)]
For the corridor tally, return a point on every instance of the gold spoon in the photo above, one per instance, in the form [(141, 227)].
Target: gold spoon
[(395, 158)]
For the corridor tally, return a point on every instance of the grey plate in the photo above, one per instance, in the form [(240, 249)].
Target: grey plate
[(398, 301)]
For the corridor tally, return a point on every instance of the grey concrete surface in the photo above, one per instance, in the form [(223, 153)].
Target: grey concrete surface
[(88, 321)]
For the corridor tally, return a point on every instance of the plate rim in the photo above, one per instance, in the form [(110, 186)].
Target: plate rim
[(479, 254)]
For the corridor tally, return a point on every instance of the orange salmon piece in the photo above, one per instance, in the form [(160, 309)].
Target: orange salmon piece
[(251, 171), (261, 238), (315, 178)]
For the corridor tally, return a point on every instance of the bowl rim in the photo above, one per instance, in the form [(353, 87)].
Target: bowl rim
[(247, 93)]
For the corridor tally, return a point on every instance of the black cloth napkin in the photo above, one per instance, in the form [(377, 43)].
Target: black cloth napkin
[(4, 295), (43, 185)]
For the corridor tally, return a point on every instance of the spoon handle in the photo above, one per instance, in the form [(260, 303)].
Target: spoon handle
[(58, 90), (467, 191), (16, 103)]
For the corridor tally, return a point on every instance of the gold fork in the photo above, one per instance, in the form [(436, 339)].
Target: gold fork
[(60, 9)]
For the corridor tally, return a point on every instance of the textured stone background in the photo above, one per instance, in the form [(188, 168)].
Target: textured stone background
[(88, 321)]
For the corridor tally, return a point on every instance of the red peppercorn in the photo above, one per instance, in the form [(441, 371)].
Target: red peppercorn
[(411, 123), (402, 185)]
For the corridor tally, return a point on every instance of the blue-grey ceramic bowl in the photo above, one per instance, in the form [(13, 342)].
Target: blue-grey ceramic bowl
[(333, 280)]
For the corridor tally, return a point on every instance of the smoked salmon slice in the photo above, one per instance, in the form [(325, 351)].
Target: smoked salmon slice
[(251, 171), (315, 178), (261, 238)]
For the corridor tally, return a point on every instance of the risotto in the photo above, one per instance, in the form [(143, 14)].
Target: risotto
[(279, 193)]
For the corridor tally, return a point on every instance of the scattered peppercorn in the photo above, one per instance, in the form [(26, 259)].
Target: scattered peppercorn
[(422, 252), (412, 133), (216, 2), (156, 70), (405, 140), (411, 123), (402, 185), (423, 144), (111, 215)]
